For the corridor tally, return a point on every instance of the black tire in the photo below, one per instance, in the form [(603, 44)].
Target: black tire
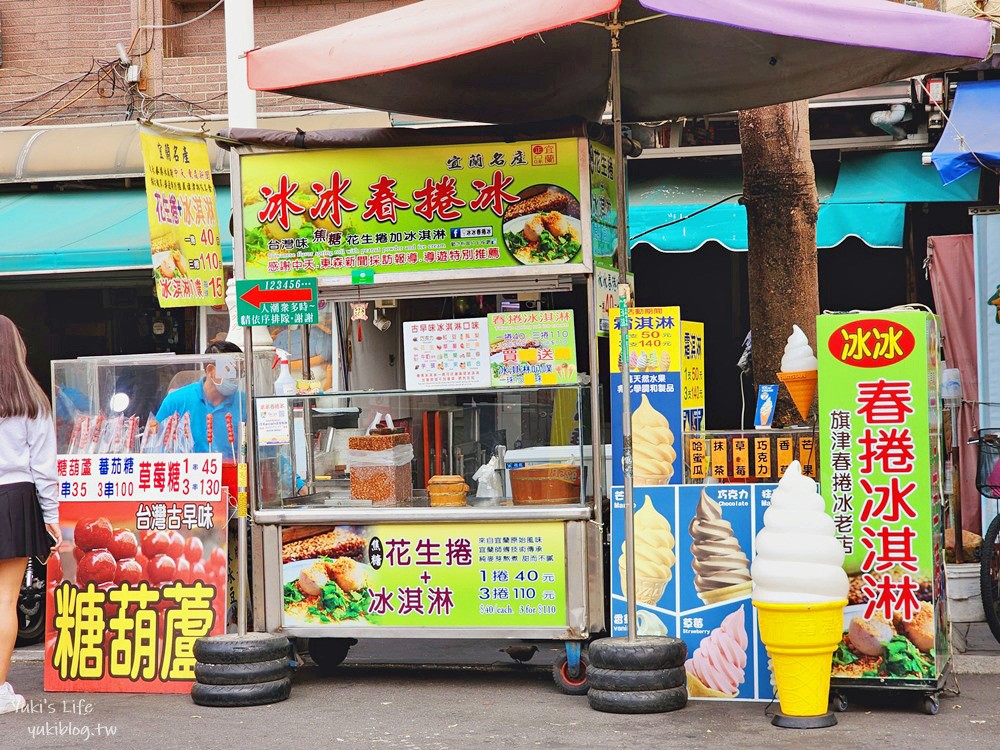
[(638, 701), (31, 604), (627, 680), (241, 649), (231, 696), (328, 653), (250, 673), (989, 576), (642, 653), (567, 683)]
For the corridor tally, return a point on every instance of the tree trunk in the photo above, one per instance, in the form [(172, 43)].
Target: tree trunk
[(779, 191)]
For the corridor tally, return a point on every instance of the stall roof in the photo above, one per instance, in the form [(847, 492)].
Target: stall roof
[(70, 232), (866, 199), (971, 138)]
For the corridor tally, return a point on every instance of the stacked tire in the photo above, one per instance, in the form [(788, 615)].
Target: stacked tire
[(241, 670), (643, 676)]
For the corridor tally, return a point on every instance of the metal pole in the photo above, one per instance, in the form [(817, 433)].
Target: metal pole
[(956, 490), (623, 300), (242, 112), (596, 423), (307, 407)]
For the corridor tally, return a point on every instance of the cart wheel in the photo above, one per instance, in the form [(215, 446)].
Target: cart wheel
[(328, 653), (931, 705), (571, 684), (31, 604), (989, 576), (839, 702)]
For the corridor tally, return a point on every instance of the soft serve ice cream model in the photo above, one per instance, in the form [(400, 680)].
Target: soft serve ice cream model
[(798, 371), (717, 667), (721, 568), (800, 590), (653, 451), (654, 554)]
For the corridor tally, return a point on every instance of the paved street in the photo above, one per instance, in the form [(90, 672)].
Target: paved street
[(480, 699)]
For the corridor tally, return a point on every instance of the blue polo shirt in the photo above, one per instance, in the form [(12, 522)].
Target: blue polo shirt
[(191, 399)]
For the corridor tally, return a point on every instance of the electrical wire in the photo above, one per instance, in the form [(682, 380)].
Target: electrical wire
[(701, 210), (182, 23)]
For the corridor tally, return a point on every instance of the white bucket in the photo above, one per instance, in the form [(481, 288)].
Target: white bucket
[(965, 603)]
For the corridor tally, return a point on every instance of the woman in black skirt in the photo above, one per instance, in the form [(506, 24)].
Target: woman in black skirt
[(29, 499)]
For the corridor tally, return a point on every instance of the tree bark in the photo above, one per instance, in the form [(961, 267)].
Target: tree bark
[(779, 191)]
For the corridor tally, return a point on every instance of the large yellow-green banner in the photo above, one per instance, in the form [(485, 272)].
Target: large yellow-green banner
[(378, 211), (421, 575), (183, 221)]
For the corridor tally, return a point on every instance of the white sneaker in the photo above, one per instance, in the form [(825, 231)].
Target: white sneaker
[(9, 700)]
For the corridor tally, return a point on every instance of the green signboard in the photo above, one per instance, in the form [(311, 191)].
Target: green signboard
[(277, 302), (425, 575), (536, 347), (332, 212), (879, 430)]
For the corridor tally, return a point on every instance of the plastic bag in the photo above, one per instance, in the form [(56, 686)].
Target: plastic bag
[(489, 481)]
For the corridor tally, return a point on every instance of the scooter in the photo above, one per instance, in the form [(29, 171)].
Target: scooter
[(31, 604)]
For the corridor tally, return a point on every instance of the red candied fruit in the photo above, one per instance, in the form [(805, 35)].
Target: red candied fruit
[(93, 533)]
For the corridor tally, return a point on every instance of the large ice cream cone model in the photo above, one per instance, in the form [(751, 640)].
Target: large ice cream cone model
[(654, 554), (653, 451), (801, 387), (800, 591), (717, 667), (721, 568), (801, 639), (798, 371)]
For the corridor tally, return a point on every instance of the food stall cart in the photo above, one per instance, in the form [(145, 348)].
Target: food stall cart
[(147, 455), (394, 538)]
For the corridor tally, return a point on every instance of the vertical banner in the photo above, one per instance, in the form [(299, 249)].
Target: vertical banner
[(693, 375), (142, 574), (655, 364), (693, 546), (604, 232), (183, 221), (879, 420)]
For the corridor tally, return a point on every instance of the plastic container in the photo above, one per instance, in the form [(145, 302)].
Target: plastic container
[(965, 601), (383, 476), (447, 490), (546, 484)]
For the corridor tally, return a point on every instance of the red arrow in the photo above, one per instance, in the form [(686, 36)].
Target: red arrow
[(256, 296)]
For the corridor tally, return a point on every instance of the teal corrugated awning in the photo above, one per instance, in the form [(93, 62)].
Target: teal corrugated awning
[(868, 201), (73, 232)]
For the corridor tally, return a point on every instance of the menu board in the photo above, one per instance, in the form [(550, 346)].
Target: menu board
[(446, 354), (532, 348), (141, 575)]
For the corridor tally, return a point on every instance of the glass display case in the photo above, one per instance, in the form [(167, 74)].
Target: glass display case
[(397, 449), (157, 403)]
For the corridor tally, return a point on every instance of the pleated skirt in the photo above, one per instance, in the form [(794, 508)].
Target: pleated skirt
[(22, 528)]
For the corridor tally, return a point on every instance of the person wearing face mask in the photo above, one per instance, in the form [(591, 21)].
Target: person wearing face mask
[(215, 395)]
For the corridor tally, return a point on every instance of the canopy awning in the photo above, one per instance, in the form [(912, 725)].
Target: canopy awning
[(63, 232), (866, 199), (971, 138)]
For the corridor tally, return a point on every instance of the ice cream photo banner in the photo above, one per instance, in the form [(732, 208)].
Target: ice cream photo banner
[(693, 545)]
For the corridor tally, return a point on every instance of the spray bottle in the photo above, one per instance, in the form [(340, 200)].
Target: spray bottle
[(285, 384)]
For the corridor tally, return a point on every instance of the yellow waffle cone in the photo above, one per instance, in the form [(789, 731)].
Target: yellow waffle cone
[(647, 590), (698, 689), (801, 387), (801, 639)]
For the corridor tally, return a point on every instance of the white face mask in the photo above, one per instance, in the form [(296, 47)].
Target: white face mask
[(227, 386)]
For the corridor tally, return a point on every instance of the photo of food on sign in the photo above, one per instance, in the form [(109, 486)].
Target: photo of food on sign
[(326, 576), (168, 260), (882, 644), (543, 226)]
